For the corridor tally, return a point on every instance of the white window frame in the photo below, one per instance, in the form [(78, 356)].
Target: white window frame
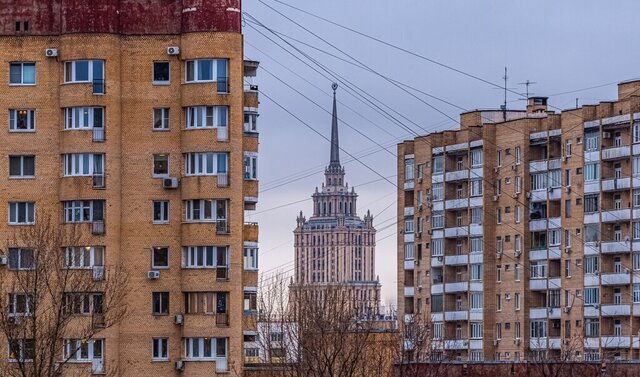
[(73, 350), (13, 120), (71, 64), (204, 117), (250, 166), (201, 214), (164, 122), (196, 257), (204, 163), (437, 247), (83, 164), (13, 304), (75, 119), (22, 167), (84, 257), (22, 75), (74, 210), (250, 258), (476, 301), (194, 65), (14, 213), (160, 349)]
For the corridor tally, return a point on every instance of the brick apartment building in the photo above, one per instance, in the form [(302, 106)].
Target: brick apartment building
[(519, 233), (132, 119)]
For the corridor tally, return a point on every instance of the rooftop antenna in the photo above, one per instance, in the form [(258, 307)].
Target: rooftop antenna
[(527, 84)]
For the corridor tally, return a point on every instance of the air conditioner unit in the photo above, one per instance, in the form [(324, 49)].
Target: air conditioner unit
[(153, 275), (578, 293), (51, 52), (515, 195), (419, 207), (606, 135), (567, 309), (567, 249), (498, 255), (173, 50), (3, 260), (495, 198), (564, 158), (180, 365), (517, 253), (179, 319), (528, 195), (567, 189), (514, 167), (517, 342), (440, 259), (496, 342), (496, 169), (170, 183), (429, 232), (420, 287), (507, 296)]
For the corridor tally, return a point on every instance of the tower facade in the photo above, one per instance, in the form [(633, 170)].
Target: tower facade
[(335, 247)]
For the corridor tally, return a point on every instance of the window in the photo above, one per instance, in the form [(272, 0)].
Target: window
[(476, 272), (591, 327), (83, 164), (205, 210), (83, 256), (22, 350), (206, 116), (475, 187), (205, 348), (250, 165), (539, 328), (591, 203), (159, 257), (78, 118), (499, 274), (408, 225), (476, 158), (85, 350), (591, 264), (499, 157), (475, 245), (21, 213), (567, 148), (554, 237), (437, 219), (22, 73), (497, 187), (438, 164), (20, 304), (22, 166), (437, 247), (206, 70), (160, 165), (83, 71), (498, 215), (437, 190), (250, 301), (591, 172), (498, 303), (476, 215), (77, 211), (567, 208), (518, 155), (636, 166), (636, 261), (517, 272), (409, 251), (250, 121), (591, 295), (161, 119), (438, 330), (208, 163), (538, 269), (160, 211), (476, 330), (160, 349), (408, 169), (539, 181), (517, 188), (22, 120), (591, 232), (636, 132), (567, 268), (516, 301), (517, 243), (77, 303), (204, 257), (161, 73), (592, 141), (437, 303), (250, 258), (160, 303), (555, 178), (208, 303), (475, 300), (636, 293)]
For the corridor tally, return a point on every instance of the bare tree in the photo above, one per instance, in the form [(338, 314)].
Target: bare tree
[(54, 306)]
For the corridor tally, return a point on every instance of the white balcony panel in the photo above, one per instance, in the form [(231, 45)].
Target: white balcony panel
[(616, 184), (457, 175), (476, 143), (615, 153), (555, 193), (615, 279), (636, 310), (636, 246), (456, 147), (624, 118), (408, 211), (615, 341), (555, 313), (539, 254), (538, 343), (592, 218), (476, 258), (591, 248), (437, 178), (554, 252), (616, 215), (591, 311), (635, 342), (475, 286), (437, 289), (538, 166), (636, 181), (592, 187), (438, 233), (475, 201), (538, 284), (537, 225), (476, 173), (615, 247), (437, 317), (554, 283), (409, 291), (437, 150), (635, 213), (538, 313), (591, 156), (436, 262), (635, 149), (409, 237), (475, 344), (457, 344), (475, 230), (438, 205), (615, 310), (591, 342), (554, 164), (635, 277), (461, 286), (475, 315), (408, 318), (555, 222), (555, 132), (591, 280), (460, 315), (460, 231), (555, 343), (456, 203), (538, 135), (456, 260), (409, 264), (408, 185), (538, 195)]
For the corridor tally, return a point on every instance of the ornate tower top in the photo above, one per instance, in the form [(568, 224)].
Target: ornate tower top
[(335, 144)]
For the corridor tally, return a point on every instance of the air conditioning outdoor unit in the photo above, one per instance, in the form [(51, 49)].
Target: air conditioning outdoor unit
[(3, 260), (495, 198), (153, 275), (528, 195), (179, 319), (498, 255), (173, 50), (180, 365), (567, 309), (51, 52), (567, 249), (496, 169), (567, 189), (170, 183), (517, 253), (514, 167)]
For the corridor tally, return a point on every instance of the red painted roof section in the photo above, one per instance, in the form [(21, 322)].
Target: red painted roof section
[(52, 17)]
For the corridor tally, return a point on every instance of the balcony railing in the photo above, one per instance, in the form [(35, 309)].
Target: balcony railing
[(222, 319), (222, 272), (223, 133), (223, 179), (98, 181), (616, 184), (98, 134), (222, 227), (616, 152), (97, 227)]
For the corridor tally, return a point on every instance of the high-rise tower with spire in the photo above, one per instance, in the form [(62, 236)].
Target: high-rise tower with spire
[(335, 247)]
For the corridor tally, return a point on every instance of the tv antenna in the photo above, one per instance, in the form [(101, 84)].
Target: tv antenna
[(527, 84), (505, 88)]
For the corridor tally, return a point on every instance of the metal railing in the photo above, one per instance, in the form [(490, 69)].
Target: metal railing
[(97, 227), (98, 134), (98, 180)]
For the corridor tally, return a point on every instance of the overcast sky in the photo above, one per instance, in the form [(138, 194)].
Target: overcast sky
[(561, 45)]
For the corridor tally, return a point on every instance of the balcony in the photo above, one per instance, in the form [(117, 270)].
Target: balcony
[(616, 310), (538, 225), (616, 153), (555, 343), (408, 211), (460, 231), (542, 284), (615, 279), (538, 313), (97, 134), (538, 166), (456, 260), (616, 215), (475, 230), (457, 175), (250, 232), (614, 184), (538, 343), (591, 218), (591, 279), (615, 247), (437, 288), (456, 203), (615, 341), (592, 187), (538, 195), (409, 237), (461, 286), (408, 185), (409, 264), (457, 344), (409, 291), (459, 315)]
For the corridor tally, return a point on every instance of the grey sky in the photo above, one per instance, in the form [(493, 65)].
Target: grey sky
[(561, 45)]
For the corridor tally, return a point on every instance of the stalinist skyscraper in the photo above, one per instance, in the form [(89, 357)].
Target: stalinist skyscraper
[(335, 247)]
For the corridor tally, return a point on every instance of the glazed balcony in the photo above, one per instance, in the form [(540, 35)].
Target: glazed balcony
[(616, 153), (250, 232)]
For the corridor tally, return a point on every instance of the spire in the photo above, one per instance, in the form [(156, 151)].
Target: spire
[(335, 145)]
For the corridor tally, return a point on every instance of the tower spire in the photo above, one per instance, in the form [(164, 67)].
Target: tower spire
[(335, 145)]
